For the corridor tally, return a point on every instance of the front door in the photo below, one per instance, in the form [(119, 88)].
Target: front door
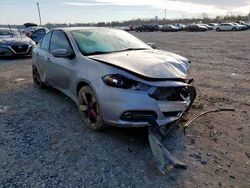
[(60, 69)]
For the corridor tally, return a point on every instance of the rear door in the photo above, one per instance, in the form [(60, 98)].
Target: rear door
[(228, 27), (60, 70)]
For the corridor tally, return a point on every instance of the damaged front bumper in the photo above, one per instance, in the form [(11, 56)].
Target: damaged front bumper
[(162, 104)]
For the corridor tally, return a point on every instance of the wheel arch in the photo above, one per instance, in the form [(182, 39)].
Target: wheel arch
[(81, 84)]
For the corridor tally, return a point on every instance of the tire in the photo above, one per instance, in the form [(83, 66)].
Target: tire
[(218, 29), (89, 109), (36, 78), (234, 29)]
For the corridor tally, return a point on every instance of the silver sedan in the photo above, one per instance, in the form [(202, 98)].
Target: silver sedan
[(114, 78)]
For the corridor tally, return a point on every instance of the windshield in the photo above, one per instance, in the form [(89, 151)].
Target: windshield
[(98, 41), (8, 32)]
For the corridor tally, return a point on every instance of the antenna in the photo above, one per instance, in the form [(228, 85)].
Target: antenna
[(10, 30), (38, 8), (19, 32)]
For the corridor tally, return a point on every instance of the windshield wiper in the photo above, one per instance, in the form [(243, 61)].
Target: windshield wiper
[(132, 49), (96, 53), (101, 52)]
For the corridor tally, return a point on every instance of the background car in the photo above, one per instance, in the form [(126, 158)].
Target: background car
[(207, 26), (214, 25), (37, 35), (169, 28), (244, 23), (30, 30), (14, 43), (195, 28), (227, 27), (180, 26), (148, 28), (240, 27)]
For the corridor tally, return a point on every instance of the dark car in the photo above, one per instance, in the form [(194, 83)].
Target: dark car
[(13, 43), (169, 28), (39, 34), (148, 28), (195, 28)]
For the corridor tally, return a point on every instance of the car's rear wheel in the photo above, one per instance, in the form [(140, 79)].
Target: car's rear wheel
[(36, 78), (234, 29), (89, 109), (217, 29)]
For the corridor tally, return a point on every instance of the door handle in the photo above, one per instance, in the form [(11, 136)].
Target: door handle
[(47, 59)]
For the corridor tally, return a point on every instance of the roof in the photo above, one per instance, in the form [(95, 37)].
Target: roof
[(84, 28), (7, 28)]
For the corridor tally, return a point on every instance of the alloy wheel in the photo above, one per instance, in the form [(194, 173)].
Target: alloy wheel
[(89, 108)]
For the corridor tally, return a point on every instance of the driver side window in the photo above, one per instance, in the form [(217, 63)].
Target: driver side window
[(59, 41)]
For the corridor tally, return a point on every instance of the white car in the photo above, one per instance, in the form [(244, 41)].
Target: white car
[(227, 27), (240, 27), (214, 25)]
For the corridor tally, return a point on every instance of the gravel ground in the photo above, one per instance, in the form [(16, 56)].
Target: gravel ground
[(43, 143)]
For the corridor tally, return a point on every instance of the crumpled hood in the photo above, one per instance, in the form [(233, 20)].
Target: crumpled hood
[(15, 40), (149, 63)]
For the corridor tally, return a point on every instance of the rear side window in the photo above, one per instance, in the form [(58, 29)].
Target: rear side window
[(40, 31), (59, 41), (45, 41)]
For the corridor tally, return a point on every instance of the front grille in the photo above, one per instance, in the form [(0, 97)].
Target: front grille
[(170, 94), (20, 48), (139, 116), (167, 114)]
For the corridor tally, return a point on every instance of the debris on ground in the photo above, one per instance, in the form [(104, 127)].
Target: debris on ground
[(164, 160), (19, 79), (3, 109)]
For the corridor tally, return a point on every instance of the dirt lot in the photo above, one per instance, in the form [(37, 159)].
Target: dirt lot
[(43, 143)]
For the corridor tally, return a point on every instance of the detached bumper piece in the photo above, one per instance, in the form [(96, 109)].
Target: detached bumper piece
[(164, 160)]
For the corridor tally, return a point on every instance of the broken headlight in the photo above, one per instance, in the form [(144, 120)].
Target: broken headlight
[(120, 81)]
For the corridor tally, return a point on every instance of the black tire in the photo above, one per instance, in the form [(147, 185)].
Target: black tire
[(36, 78), (218, 29), (234, 29), (89, 109)]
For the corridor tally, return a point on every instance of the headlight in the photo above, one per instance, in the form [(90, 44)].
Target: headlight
[(120, 81), (32, 43)]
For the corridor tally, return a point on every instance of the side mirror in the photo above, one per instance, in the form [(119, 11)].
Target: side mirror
[(152, 45), (63, 53)]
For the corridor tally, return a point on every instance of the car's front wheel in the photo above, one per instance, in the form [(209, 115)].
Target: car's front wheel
[(36, 78), (89, 109)]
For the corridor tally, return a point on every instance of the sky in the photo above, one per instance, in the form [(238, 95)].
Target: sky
[(85, 11)]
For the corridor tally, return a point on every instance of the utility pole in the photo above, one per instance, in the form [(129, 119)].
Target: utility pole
[(38, 8), (165, 14)]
